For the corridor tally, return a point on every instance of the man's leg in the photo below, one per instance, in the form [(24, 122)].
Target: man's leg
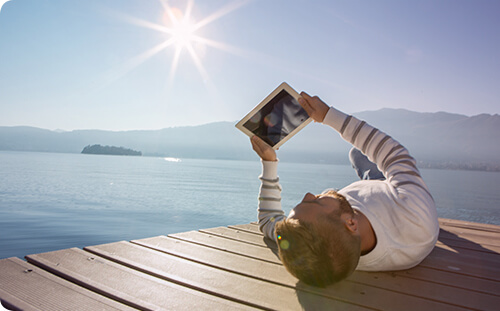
[(364, 167)]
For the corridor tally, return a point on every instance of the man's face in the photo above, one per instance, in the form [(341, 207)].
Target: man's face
[(314, 207)]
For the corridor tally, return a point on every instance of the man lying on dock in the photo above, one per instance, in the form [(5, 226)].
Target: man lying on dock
[(386, 221)]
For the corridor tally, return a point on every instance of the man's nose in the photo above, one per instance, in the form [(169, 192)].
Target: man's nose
[(309, 197)]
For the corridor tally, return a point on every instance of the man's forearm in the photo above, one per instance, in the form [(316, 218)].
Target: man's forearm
[(391, 158), (269, 210)]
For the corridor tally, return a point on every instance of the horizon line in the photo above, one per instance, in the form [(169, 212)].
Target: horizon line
[(60, 130)]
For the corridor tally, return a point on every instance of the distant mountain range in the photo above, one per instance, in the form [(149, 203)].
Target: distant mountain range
[(438, 140)]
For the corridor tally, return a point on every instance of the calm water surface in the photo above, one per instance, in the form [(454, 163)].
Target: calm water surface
[(53, 201)]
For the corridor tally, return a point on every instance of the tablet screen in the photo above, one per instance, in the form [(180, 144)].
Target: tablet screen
[(277, 119)]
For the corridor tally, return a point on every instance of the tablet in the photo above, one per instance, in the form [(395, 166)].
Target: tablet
[(277, 118)]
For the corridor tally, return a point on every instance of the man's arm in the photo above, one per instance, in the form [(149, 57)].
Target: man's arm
[(269, 208), (391, 158)]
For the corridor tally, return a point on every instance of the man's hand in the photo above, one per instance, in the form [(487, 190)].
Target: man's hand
[(264, 151), (314, 106)]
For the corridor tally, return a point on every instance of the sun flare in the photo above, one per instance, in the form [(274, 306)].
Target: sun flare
[(180, 30), (180, 26), (183, 34)]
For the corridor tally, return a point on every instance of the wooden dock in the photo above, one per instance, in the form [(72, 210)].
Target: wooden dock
[(232, 268)]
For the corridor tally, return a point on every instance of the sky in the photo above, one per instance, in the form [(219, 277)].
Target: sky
[(141, 65)]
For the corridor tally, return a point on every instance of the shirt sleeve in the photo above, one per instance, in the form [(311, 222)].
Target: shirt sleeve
[(394, 161), (269, 208), (391, 158)]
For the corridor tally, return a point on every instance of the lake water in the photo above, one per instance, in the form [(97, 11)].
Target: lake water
[(52, 201)]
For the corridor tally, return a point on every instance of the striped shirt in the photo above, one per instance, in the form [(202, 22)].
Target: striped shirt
[(400, 209)]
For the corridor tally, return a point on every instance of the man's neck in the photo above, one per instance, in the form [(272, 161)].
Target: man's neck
[(368, 237)]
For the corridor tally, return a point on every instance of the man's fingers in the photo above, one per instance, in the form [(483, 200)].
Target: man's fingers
[(306, 105), (256, 140), (314, 106), (265, 151), (305, 95), (257, 143), (306, 100)]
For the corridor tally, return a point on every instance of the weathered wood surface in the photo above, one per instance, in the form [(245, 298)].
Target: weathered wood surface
[(231, 268)]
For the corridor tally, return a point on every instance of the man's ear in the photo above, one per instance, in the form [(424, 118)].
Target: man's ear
[(350, 222)]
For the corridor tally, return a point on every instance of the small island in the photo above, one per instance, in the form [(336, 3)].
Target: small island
[(110, 150)]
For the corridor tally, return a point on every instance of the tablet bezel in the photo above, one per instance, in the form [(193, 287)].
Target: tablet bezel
[(282, 87)]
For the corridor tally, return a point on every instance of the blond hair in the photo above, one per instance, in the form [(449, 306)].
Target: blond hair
[(319, 254)]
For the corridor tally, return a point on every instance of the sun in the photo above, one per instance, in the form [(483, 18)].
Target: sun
[(183, 34), (180, 31)]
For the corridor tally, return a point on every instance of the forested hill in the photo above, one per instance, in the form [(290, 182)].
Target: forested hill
[(442, 140), (110, 150)]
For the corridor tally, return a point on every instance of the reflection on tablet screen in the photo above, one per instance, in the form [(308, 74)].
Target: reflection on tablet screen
[(277, 119)]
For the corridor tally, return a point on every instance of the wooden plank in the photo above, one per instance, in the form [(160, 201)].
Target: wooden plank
[(439, 259), (477, 233), (466, 244), (455, 233), (397, 289), (450, 278), (213, 256), (475, 236), (233, 232), (445, 274), (236, 268), (429, 289), (216, 281), (254, 251), (455, 262), (472, 256), (253, 268), (126, 285), (446, 259), (251, 228), (470, 230), (30, 288), (465, 260), (468, 224), (242, 236), (277, 274)]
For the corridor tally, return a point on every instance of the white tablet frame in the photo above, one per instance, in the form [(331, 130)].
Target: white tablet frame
[(283, 86)]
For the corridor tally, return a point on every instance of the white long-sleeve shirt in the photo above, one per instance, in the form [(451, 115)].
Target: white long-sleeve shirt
[(400, 209)]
